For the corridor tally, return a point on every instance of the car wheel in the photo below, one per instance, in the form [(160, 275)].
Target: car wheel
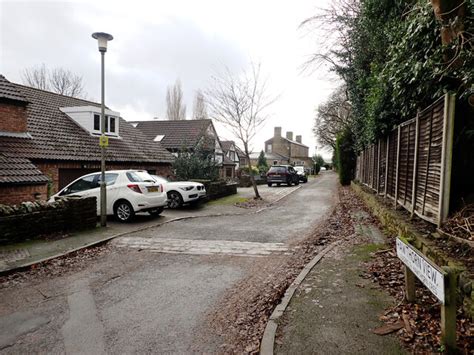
[(297, 182), (269, 184), (156, 212), (175, 199), (123, 211)]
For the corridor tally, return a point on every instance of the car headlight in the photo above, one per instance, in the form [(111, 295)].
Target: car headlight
[(187, 188)]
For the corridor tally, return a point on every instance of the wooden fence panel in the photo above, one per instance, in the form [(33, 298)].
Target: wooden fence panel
[(382, 165), (428, 175), (392, 163), (406, 163), (413, 164)]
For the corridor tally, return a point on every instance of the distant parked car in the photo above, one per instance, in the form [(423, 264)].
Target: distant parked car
[(181, 192), (302, 174), (128, 192), (282, 174)]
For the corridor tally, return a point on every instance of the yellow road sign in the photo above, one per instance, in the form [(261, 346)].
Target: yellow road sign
[(104, 141)]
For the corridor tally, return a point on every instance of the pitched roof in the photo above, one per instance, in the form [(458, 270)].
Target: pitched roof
[(54, 136), (14, 170), (226, 145), (269, 156), (288, 140), (9, 91), (177, 133)]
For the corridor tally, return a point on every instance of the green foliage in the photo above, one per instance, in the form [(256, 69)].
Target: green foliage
[(262, 164), (254, 170), (318, 159), (393, 63), (194, 164), (346, 157), (316, 168)]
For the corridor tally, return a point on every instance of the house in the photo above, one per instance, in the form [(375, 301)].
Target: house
[(285, 150), (243, 161), (47, 140), (231, 155), (178, 135)]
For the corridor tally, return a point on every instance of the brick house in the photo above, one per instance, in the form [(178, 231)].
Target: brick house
[(47, 140), (176, 135), (232, 157), (285, 150)]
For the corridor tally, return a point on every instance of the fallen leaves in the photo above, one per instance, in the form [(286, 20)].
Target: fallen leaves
[(242, 315)]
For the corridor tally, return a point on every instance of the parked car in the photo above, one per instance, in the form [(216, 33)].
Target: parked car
[(302, 173), (282, 174), (181, 192), (128, 192)]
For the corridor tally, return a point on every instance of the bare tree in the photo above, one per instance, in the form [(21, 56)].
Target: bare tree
[(332, 117), (240, 103), (58, 80), (199, 108), (175, 108), (37, 77), (66, 83)]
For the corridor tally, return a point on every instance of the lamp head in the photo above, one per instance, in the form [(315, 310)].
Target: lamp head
[(102, 38)]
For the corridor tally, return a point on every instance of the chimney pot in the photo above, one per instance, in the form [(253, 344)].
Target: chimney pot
[(289, 135), (277, 132), (298, 139)]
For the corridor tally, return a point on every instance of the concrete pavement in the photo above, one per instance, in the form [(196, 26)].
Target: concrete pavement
[(146, 301)]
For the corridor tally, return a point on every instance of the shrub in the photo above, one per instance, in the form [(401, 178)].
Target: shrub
[(345, 157), (317, 168)]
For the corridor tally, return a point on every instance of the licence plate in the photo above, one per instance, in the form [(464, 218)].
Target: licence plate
[(152, 189), (276, 175)]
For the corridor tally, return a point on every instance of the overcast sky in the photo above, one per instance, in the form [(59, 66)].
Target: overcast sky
[(156, 42)]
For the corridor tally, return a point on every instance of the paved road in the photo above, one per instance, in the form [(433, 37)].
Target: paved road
[(151, 292)]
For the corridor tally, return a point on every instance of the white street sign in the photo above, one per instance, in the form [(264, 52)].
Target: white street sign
[(424, 270)]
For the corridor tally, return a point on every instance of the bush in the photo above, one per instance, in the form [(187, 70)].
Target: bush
[(317, 168), (345, 157), (196, 164)]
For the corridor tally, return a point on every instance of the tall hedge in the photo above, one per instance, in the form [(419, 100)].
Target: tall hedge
[(346, 157)]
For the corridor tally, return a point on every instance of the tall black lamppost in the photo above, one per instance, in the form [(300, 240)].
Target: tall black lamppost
[(102, 38)]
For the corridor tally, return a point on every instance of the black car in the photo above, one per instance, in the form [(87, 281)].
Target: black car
[(302, 174), (282, 174)]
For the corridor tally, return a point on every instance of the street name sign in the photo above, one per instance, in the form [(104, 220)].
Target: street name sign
[(425, 271)]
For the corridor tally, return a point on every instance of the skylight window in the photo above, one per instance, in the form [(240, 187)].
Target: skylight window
[(158, 138)]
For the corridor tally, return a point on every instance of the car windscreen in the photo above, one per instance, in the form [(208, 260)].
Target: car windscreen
[(277, 170), (139, 176)]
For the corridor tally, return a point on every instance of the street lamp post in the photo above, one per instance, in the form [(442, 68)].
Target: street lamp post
[(102, 38)]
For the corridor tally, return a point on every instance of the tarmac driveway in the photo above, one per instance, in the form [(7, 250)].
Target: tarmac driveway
[(151, 291)]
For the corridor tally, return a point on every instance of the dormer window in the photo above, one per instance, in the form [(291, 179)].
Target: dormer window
[(109, 124), (88, 117)]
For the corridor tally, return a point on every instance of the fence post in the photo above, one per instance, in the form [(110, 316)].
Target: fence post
[(415, 164), (386, 165), (397, 166), (446, 157), (410, 293), (448, 312)]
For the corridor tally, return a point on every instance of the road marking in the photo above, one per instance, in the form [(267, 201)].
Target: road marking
[(201, 247), (83, 332)]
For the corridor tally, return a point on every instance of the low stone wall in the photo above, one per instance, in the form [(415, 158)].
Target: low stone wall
[(220, 189), (35, 220), (398, 226), (244, 180)]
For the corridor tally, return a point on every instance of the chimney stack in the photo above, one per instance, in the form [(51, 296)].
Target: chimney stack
[(289, 135), (13, 112), (277, 132), (298, 139)]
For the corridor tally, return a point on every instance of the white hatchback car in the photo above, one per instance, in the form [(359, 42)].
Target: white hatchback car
[(128, 192), (181, 192)]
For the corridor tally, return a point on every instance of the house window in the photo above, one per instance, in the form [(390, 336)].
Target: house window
[(269, 148), (96, 122), (112, 124)]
